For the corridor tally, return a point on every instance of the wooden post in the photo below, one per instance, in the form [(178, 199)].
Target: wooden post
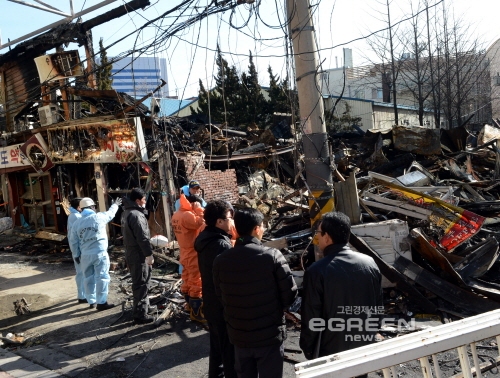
[(89, 54), (3, 99), (45, 95), (64, 96), (90, 69), (101, 186), (347, 199), (166, 192)]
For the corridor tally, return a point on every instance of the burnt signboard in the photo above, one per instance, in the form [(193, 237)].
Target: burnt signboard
[(112, 141), (10, 157), (35, 151)]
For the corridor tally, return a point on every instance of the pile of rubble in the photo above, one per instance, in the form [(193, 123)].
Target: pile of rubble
[(429, 200), (424, 204)]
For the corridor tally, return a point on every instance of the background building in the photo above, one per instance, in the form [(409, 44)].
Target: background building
[(494, 60), (138, 77)]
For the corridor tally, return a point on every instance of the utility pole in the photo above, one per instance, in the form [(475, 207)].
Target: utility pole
[(317, 158)]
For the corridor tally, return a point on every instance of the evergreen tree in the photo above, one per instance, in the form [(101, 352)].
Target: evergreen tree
[(214, 104), (103, 72), (281, 98), (240, 101), (253, 104), (225, 100), (339, 120), (228, 85)]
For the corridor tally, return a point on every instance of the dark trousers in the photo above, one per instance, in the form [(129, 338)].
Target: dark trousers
[(141, 274), (263, 362), (221, 358)]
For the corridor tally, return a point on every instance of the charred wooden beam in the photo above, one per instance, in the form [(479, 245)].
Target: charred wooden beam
[(95, 93), (140, 101), (66, 33), (402, 161), (347, 200), (122, 10), (436, 258), (444, 289), (478, 262), (392, 274)]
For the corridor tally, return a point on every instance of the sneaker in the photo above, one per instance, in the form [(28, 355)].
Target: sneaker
[(104, 306), (145, 320), (82, 300), (92, 305)]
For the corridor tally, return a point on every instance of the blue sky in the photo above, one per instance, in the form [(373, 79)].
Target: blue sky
[(190, 53)]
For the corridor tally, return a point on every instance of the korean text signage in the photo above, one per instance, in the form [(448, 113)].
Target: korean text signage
[(455, 224), (10, 157)]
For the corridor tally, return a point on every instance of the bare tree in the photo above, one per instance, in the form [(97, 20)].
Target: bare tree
[(393, 66), (386, 66), (433, 68), (435, 64), (463, 84), (416, 78)]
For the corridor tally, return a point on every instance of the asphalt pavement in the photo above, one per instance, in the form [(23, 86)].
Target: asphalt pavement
[(71, 340)]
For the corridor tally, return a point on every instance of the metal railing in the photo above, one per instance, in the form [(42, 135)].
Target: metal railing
[(422, 346)]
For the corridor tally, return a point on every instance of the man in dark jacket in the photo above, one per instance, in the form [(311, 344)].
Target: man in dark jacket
[(211, 242), (342, 294), (255, 286), (138, 253)]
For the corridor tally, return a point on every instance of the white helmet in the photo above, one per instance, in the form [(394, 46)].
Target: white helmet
[(86, 202)]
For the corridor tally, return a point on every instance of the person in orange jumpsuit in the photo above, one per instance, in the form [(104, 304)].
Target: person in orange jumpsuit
[(187, 223)]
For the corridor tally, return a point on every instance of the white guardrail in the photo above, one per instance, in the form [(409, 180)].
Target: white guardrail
[(388, 354)]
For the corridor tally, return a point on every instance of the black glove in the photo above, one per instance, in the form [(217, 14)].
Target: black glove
[(77, 260)]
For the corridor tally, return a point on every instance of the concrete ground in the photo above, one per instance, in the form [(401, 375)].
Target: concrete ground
[(69, 339)]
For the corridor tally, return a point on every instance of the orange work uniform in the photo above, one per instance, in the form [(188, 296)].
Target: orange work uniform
[(187, 224)]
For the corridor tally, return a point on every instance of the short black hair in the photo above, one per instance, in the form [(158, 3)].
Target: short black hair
[(216, 209), (194, 198), (245, 221), (75, 202), (137, 193), (337, 225)]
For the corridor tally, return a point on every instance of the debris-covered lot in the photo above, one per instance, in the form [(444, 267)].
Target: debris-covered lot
[(73, 340), (428, 219)]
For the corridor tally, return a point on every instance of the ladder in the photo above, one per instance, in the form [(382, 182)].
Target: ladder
[(422, 346)]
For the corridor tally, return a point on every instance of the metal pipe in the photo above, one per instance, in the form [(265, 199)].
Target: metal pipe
[(41, 7)]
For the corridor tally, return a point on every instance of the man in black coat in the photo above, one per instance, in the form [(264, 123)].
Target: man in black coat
[(138, 252), (255, 286), (211, 242), (342, 294)]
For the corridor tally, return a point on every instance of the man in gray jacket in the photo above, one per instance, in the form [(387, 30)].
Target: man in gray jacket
[(138, 253)]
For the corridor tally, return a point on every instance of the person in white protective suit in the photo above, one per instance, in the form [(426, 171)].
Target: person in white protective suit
[(74, 215), (89, 242)]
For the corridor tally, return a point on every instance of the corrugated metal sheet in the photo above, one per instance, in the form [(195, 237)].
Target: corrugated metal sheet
[(358, 108), (21, 82), (388, 239), (384, 117)]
